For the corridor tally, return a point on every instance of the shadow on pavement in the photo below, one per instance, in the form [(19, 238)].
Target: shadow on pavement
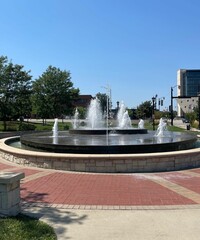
[(59, 219)]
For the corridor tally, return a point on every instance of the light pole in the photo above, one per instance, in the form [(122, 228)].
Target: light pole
[(153, 113), (108, 93), (199, 107), (171, 114), (171, 110)]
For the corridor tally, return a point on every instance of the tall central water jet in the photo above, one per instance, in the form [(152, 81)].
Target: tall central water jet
[(94, 115)]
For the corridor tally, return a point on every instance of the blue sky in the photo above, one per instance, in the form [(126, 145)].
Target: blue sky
[(134, 46)]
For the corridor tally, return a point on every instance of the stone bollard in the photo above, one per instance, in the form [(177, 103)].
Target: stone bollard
[(10, 193)]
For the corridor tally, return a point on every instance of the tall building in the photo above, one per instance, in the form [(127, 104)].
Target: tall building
[(83, 101), (188, 82)]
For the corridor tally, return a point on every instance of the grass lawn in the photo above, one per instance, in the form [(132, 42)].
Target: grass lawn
[(149, 126), (22, 227), (14, 126)]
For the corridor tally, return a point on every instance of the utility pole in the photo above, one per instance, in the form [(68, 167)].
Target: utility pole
[(172, 117)]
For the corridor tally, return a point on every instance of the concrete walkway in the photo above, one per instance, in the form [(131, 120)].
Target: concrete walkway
[(113, 206), (176, 224)]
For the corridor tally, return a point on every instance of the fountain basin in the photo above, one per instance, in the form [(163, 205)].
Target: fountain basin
[(107, 163), (108, 144)]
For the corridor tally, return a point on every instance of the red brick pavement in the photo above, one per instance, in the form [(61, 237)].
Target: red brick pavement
[(5, 166), (57, 187), (91, 189), (181, 178)]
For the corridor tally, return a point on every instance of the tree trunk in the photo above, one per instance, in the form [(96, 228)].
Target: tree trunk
[(4, 125)]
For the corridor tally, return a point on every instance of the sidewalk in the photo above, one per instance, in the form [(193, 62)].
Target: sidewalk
[(179, 123), (182, 224), (113, 206)]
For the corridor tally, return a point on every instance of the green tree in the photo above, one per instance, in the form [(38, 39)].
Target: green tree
[(53, 93), (192, 116), (15, 91), (131, 113), (144, 110), (103, 101), (82, 112)]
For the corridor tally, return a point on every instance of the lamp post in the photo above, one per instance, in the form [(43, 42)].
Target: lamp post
[(153, 113), (172, 111), (199, 107), (171, 114), (108, 93)]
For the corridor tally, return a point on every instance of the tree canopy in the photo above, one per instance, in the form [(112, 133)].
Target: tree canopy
[(15, 90), (103, 98), (53, 93), (144, 110)]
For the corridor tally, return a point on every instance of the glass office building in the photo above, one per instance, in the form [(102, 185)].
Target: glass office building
[(188, 81), (191, 82)]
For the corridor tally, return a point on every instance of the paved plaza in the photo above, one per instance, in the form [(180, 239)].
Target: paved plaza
[(163, 205)]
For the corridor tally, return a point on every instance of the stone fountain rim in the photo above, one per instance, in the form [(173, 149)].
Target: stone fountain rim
[(23, 152), (102, 163)]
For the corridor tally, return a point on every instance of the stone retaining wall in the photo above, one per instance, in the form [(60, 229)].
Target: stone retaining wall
[(114, 163)]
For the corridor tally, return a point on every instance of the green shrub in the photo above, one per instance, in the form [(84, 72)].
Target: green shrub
[(66, 127), (26, 127), (10, 128), (195, 124)]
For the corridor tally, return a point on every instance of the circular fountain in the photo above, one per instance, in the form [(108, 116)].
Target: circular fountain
[(96, 138), (102, 148)]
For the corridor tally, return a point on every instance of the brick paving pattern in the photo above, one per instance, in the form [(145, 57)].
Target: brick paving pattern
[(107, 191)]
